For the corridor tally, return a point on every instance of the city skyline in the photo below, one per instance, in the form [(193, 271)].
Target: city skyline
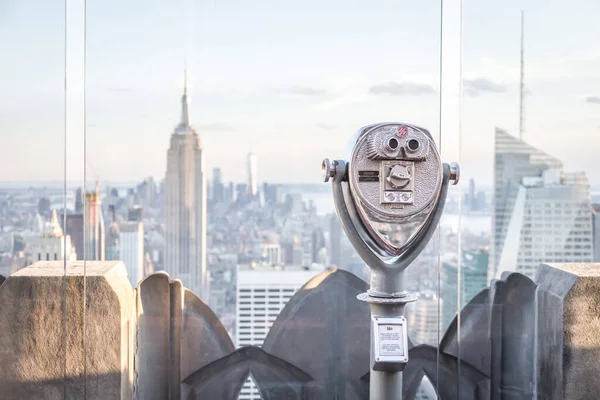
[(165, 231), (266, 103)]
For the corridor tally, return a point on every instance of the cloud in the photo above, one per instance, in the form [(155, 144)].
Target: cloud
[(401, 89), (119, 89), (343, 101), (301, 91), (475, 87), (326, 127), (470, 92), (593, 99), (216, 126)]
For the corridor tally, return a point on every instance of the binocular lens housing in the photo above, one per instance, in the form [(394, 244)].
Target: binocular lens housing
[(395, 175), (393, 143), (413, 145)]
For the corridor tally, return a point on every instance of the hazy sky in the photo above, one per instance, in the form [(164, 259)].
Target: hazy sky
[(289, 80)]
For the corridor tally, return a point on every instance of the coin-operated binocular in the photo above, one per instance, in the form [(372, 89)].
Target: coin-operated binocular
[(389, 196)]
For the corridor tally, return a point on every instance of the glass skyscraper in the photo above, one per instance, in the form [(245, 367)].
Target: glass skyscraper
[(540, 213)]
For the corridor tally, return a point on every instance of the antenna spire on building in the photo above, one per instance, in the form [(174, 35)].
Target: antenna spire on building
[(185, 121), (522, 79)]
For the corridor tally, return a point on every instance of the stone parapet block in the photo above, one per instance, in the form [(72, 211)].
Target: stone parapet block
[(568, 331), (42, 344)]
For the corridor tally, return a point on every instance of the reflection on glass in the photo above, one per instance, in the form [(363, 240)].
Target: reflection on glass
[(541, 214), (528, 126)]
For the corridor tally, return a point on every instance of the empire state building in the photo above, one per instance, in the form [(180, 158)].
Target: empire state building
[(185, 206)]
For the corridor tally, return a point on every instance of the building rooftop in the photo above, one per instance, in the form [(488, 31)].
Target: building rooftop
[(129, 226), (277, 268)]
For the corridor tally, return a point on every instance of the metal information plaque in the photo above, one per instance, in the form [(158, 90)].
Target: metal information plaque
[(390, 340)]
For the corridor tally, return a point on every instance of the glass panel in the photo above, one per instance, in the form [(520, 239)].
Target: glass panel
[(186, 138), (34, 197), (528, 145), (270, 90)]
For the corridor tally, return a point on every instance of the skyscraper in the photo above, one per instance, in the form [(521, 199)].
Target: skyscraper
[(94, 240), (51, 245), (185, 206), (78, 201), (473, 279), (230, 193), (135, 214), (242, 194), (273, 193), (147, 191), (262, 292), (422, 319), (472, 203), (74, 229), (317, 246), (252, 184), (335, 241), (131, 249), (271, 253), (112, 236), (222, 271), (540, 214), (218, 192)]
